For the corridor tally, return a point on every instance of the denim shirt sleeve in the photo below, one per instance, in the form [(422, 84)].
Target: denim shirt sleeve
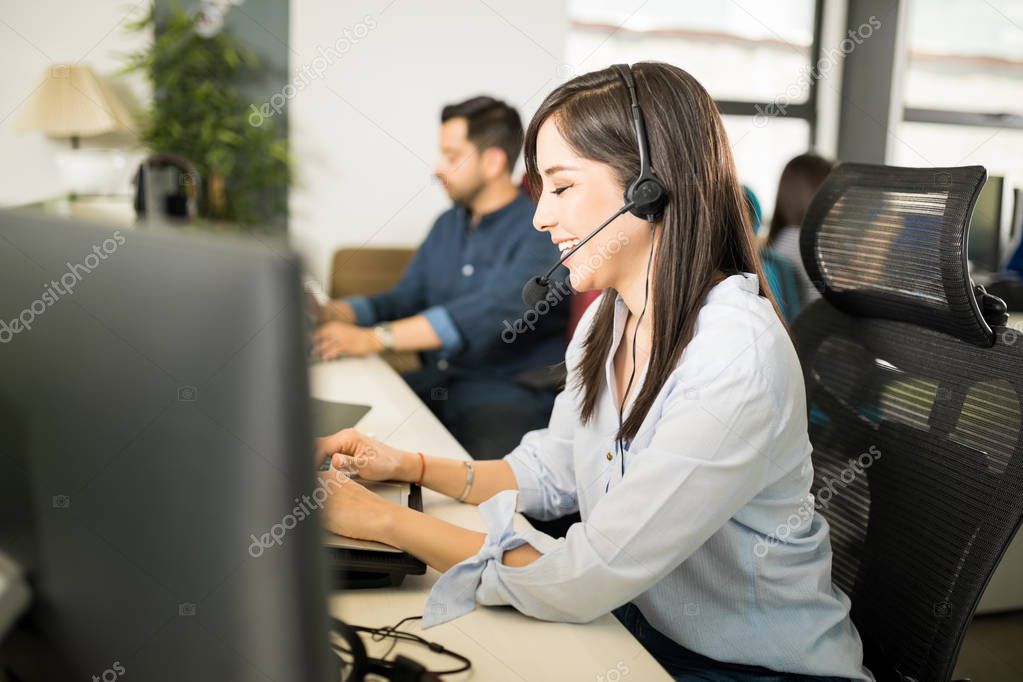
[(445, 328), (365, 314), (408, 296)]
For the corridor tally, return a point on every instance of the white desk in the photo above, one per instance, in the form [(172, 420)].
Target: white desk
[(502, 643)]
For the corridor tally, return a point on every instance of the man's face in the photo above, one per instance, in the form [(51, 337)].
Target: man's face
[(460, 166)]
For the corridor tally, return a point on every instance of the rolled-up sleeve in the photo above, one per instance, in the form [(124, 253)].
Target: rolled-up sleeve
[(445, 329), (365, 315), (707, 458)]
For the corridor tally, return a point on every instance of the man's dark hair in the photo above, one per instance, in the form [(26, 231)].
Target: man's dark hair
[(492, 123)]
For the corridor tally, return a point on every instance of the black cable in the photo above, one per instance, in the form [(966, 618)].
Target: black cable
[(378, 634), (635, 334)]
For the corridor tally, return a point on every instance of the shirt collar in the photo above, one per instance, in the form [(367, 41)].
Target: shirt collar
[(745, 281), (493, 216)]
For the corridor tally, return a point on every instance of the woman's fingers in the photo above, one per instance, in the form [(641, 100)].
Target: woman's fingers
[(345, 442), (345, 463)]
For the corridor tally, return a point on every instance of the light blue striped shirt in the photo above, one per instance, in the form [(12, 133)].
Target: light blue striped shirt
[(711, 532)]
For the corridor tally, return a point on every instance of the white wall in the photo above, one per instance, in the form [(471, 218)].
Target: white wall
[(36, 34), (364, 131)]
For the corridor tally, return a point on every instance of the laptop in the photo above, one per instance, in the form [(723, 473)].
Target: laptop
[(358, 564), (362, 563)]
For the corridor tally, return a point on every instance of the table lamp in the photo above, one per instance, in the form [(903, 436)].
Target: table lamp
[(73, 102)]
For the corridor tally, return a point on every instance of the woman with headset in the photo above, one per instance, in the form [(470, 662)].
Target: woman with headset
[(681, 435)]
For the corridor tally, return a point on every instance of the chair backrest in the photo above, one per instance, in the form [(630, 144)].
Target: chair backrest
[(916, 410), (365, 271)]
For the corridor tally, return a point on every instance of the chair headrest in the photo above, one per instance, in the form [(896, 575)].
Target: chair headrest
[(889, 242)]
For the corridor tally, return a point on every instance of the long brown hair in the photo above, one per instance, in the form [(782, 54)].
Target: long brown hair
[(800, 180), (705, 229)]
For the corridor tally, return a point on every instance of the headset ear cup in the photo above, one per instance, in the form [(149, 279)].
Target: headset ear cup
[(649, 197)]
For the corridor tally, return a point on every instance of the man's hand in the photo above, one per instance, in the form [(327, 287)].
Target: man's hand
[(334, 339), (331, 311), (337, 311)]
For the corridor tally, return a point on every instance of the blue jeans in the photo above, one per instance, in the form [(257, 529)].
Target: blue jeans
[(683, 664)]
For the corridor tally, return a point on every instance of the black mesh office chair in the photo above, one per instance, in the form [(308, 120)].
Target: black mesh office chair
[(915, 390)]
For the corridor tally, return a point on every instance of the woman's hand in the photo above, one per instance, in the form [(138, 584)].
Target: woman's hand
[(355, 452), (335, 339), (354, 511)]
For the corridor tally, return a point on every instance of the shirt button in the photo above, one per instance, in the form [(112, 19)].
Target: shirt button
[(610, 457), (442, 364), (468, 269)]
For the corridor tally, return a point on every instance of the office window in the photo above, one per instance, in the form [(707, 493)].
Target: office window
[(963, 85), (754, 59)]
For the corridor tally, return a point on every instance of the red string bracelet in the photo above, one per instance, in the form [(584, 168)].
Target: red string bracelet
[(422, 468)]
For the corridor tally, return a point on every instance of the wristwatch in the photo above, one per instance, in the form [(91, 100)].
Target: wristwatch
[(385, 334)]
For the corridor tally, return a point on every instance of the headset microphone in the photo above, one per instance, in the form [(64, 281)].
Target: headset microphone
[(536, 288)]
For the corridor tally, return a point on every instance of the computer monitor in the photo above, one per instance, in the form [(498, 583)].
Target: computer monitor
[(993, 236), (1016, 229), (154, 426), (986, 226)]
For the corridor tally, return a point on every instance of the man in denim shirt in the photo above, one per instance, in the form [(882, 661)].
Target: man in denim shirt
[(459, 302)]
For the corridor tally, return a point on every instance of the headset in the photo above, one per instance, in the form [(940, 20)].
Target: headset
[(354, 664), (645, 197)]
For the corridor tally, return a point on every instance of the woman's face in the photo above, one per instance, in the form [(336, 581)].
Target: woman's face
[(576, 197)]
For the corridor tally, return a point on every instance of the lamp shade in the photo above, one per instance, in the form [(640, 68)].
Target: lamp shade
[(73, 102)]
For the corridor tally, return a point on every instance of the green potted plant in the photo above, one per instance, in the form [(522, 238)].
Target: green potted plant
[(198, 113)]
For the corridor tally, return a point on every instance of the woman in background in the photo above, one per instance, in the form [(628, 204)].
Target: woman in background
[(799, 182)]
